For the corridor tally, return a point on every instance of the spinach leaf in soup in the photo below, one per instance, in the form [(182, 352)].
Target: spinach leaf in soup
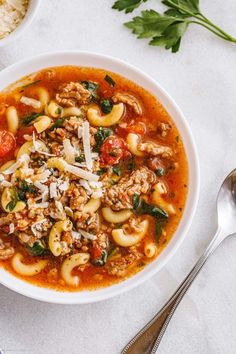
[(30, 118), (38, 249), (110, 81), (101, 136), (106, 106), (92, 87)]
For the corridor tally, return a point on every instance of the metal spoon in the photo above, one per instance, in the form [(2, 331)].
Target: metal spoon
[(148, 339)]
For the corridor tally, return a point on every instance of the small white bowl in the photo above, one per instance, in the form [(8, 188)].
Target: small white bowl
[(29, 16), (17, 71)]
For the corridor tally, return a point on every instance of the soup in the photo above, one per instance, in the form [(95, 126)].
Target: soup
[(93, 178)]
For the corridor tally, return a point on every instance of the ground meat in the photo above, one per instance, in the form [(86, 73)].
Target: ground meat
[(5, 220), (87, 221), (72, 94), (6, 250), (57, 149), (163, 128), (73, 123), (156, 150), (128, 99), (120, 196), (120, 266), (78, 197)]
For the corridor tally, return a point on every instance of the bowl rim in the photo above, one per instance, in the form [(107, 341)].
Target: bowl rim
[(62, 58), (23, 25)]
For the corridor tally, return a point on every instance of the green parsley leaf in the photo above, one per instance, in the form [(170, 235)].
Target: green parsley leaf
[(167, 29), (106, 106), (110, 81), (25, 187), (127, 5), (160, 171)]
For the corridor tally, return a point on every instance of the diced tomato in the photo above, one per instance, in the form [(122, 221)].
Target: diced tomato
[(96, 252), (20, 140), (113, 150), (138, 128), (7, 142)]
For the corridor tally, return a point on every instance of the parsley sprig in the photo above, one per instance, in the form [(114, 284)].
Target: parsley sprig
[(167, 29)]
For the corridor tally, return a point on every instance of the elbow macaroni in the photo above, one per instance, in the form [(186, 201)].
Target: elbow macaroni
[(116, 216), (109, 119), (27, 147), (159, 189), (27, 269), (69, 264), (12, 119), (55, 236), (92, 206), (71, 111), (132, 142), (127, 240), (43, 95), (56, 162), (6, 165), (42, 123), (150, 250)]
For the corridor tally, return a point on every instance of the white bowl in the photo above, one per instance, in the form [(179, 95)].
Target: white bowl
[(29, 16), (17, 71)]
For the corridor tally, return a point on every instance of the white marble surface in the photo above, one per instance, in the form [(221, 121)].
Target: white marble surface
[(202, 79)]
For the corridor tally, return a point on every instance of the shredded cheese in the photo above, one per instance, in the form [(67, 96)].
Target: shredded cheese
[(75, 235), (35, 226), (87, 235), (30, 102), (86, 144), (11, 228), (23, 159), (53, 190), (81, 173)]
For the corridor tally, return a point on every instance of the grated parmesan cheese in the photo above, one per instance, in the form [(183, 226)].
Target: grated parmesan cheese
[(23, 159), (76, 235), (87, 147), (12, 13), (11, 228), (87, 235), (35, 227), (81, 173), (30, 102)]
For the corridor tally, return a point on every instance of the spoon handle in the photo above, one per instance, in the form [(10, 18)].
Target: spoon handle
[(148, 339)]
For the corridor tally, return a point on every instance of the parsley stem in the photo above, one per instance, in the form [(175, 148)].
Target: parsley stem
[(199, 16), (211, 30), (225, 34)]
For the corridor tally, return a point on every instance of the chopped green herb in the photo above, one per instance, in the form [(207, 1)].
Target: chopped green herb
[(160, 171), (38, 249), (117, 170), (30, 118), (58, 123), (101, 136), (31, 84), (80, 158), (101, 171), (92, 87), (25, 187), (106, 106), (136, 201), (110, 81), (11, 205)]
